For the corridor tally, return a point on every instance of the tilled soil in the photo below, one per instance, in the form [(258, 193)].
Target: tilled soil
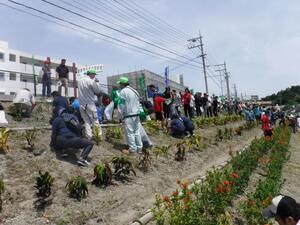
[(117, 204), (291, 170)]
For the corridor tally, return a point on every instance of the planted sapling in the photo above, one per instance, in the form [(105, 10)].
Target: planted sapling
[(122, 168), (180, 154), (4, 135), (30, 136), (43, 185), (96, 131), (77, 187), (144, 161), (113, 134), (161, 150), (103, 175)]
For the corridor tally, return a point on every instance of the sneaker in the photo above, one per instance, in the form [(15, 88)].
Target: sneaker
[(83, 162), (64, 155)]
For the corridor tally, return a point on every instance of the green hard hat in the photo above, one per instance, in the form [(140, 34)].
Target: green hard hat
[(123, 80), (91, 71)]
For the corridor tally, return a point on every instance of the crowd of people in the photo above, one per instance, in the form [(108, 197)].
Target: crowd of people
[(74, 119)]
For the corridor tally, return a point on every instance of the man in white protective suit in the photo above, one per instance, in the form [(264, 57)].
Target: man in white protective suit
[(88, 87), (130, 110)]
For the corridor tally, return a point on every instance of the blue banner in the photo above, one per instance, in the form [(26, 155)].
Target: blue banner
[(167, 76)]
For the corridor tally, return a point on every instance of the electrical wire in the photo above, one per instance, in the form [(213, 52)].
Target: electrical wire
[(114, 29), (98, 33)]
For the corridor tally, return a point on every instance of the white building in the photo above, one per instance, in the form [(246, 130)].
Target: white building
[(17, 71)]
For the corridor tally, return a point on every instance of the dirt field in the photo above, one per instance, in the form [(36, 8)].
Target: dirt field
[(119, 204), (291, 170)]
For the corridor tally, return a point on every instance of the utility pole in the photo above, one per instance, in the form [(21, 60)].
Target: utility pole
[(200, 46), (227, 82), (235, 92)]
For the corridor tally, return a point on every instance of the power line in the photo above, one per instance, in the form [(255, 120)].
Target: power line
[(101, 34), (114, 29), (138, 14), (119, 11), (160, 21), (94, 12)]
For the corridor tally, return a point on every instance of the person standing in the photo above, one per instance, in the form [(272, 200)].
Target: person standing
[(176, 102), (46, 79), (62, 74), (186, 99), (215, 105), (266, 124), (167, 103), (198, 103), (159, 108), (88, 87), (130, 110)]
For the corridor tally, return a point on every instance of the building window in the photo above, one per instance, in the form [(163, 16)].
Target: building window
[(12, 93), (12, 76), (2, 76), (1, 56), (12, 57), (2, 93)]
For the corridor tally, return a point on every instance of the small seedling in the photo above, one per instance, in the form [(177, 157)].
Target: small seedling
[(1, 192), (152, 127), (195, 142), (113, 133), (144, 161), (4, 135), (180, 154), (15, 112), (238, 131), (43, 185), (103, 175), (219, 135), (122, 168), (30, 136), (77, 187), (96, 131), (161, 150)]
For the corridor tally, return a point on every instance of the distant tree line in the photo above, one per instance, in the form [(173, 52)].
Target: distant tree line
[(289, 96)]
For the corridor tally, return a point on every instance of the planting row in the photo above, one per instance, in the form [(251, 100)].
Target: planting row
[(269, 187), (206, 203)]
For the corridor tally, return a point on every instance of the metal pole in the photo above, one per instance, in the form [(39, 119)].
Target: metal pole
[(34, 77), (203, 62), (74, 70)]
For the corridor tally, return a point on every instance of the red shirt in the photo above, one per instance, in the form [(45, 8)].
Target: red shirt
[(186, 98), (157, 103), (265, 123)]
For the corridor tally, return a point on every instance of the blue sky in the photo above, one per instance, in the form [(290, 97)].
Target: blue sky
[(259, 40)]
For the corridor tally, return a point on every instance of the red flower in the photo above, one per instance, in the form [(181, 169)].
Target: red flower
[(235, 175), (219, 189), (176, 193), (184, 185), (226, 182), (166, 199)]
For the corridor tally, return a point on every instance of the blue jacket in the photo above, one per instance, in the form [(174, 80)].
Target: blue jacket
[(60, 101), (189, 126), (76, 105), (59, 128), (177, 127)]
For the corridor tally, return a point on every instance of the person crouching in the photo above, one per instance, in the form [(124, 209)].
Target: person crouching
[(66, 133)]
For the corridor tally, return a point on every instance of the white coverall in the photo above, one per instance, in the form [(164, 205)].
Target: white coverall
[(87, 88), (130, 108)]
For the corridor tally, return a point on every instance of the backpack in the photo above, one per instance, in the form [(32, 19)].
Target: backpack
[(72, 123)]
